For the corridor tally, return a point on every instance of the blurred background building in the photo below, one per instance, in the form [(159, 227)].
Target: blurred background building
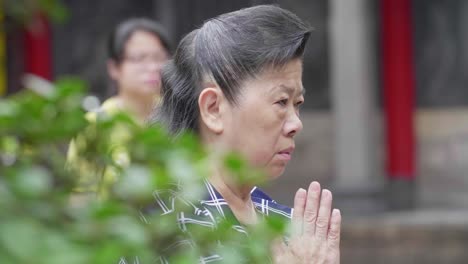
[(385, 117)]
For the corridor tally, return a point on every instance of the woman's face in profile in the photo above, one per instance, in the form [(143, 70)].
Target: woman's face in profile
[(265, 120), (139, 71)]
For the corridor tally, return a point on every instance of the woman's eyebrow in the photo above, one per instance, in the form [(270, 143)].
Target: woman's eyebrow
[(288, 89)]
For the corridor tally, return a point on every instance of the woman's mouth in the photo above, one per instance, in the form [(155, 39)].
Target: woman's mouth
[(152, 82), (286, 154)]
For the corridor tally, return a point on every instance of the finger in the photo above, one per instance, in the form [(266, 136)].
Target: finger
[(298, 211), (278, 250), (323, 219), (311, 208), (334, 232)]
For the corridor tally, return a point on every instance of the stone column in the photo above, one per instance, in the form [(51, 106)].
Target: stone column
[(353, 84)]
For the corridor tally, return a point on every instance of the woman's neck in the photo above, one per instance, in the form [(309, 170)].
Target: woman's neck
[(237, 197), (139, 107)]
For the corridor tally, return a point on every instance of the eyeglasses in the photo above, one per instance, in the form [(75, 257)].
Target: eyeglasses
[(145, 59)]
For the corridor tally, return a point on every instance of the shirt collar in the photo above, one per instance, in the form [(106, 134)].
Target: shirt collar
[(263, 203)]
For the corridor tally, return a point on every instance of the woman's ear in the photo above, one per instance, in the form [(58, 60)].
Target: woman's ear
[(211, 103)]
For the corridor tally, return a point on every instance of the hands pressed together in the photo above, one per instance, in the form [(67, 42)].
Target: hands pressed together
[(316, 230)]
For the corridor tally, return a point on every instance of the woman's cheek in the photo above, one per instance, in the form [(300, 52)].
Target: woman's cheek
[(264, 156)]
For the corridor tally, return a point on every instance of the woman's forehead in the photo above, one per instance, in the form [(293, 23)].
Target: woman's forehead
[(286, 79)]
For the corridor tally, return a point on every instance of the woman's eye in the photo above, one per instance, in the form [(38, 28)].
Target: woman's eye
[(299, 103), (282, 102)]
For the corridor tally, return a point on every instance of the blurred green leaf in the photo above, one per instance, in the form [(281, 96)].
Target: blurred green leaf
[(19, 238), (135, 183), (33, 182)]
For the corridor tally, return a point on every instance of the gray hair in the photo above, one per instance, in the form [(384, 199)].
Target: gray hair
[(228, 50)]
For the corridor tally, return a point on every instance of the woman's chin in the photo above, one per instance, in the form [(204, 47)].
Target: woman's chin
[(152, 91), (276, 172)]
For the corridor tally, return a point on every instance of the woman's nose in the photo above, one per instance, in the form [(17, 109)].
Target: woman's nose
[(154, 66), (293, 125)]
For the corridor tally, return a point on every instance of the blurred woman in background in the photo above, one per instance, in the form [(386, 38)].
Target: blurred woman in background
[(137, 50)]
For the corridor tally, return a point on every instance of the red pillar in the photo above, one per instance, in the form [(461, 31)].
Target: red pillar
[(3, 61), (399, 85), (37, 45)]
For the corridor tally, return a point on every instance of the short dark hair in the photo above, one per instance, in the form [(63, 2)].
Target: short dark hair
[(228, 49), (124, 30)]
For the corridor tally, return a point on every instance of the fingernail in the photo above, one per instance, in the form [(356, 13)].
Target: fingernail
[(301, 192), (315, 186), (336, 212), (326, 193)]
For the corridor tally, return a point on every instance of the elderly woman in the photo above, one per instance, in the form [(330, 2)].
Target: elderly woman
[(236, 82)]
